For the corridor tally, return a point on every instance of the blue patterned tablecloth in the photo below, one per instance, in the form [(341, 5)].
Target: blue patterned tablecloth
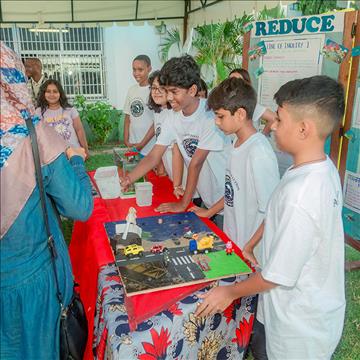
[(171, 334)]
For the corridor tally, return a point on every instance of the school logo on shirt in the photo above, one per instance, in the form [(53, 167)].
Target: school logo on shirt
[(190, 146), (137, 108), (157, 132), (229, 192)]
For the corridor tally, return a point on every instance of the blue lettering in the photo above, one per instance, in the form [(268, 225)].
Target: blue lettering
[(285, 26), (295, 24), (327, 24), (260, 28), (309, 25), (273, 27)]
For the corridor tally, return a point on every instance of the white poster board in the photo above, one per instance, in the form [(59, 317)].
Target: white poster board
[(356, 113), (287, 59), (352, 191)]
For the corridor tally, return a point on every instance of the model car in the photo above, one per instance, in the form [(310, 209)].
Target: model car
[(134, 249), (158, 249)]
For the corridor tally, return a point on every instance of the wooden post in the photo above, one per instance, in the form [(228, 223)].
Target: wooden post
[(343, 78), (350, 101)]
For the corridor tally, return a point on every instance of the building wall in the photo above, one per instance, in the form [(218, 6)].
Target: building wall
[(121, 45)]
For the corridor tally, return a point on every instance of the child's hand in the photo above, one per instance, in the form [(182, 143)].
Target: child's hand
[(125, 182), (200, 211), (128, 144), (138, 146), (215, 301), (72, 151), (174, 207), (178, 191), (248, 253)]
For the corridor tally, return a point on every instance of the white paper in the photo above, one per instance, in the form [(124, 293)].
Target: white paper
[(352, 191), (288, 58), (356, 112)]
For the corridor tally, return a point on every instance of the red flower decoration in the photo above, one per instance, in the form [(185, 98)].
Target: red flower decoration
[(157, 350), (229, 312), (243, 333), (174, 309)]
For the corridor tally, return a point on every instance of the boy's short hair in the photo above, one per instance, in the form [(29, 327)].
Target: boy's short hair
[(232, 94), (244, 74), (319, 96), (182, 72), (143, 58)]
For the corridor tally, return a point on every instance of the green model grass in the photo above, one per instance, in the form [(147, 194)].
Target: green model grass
[(221, 265)]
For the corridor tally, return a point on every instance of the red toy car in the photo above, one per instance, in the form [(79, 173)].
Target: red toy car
[(157, 249)]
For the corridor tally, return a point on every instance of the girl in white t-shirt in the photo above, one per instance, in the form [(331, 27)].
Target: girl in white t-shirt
[(57, 112)]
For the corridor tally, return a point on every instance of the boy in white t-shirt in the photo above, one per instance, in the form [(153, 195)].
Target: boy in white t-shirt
[(138, 125), (301, 282), (260, 111), (192, 127), (251, 173)]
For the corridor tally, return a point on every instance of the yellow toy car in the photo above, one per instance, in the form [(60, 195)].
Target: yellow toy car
[(133, 250)]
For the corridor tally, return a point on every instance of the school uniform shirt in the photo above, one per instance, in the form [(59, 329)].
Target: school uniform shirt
[(199, 131), (62, 120), (303, 252), (141, 117), (159, 119), (251, 176)]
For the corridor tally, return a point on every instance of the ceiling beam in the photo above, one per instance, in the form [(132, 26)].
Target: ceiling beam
[(136, 9), (72, 9), (97, 21), (205, 5)]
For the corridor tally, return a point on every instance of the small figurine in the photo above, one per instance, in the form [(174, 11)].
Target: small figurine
[(229, 248)]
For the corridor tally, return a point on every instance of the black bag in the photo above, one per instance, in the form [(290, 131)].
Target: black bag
[(73, 322)]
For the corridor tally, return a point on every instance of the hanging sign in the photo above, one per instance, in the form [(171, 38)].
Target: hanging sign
[(316, 24)]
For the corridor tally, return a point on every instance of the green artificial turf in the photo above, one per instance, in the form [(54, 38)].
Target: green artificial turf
[(222, 265)]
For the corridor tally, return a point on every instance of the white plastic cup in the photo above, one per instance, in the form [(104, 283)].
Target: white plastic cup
[(143, 193)]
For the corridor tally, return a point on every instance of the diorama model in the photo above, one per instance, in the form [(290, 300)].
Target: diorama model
[(167, 251)]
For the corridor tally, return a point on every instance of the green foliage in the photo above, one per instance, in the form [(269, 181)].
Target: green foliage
[(99, 116), (172, 37), (220, 45), (274, 13), (313, 7)]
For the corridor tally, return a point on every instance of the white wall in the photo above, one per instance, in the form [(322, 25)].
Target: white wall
[(121, 45)]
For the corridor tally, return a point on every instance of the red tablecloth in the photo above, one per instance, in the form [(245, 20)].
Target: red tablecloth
[(90, 249)]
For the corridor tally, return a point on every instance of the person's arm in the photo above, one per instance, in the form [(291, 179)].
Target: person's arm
[(145, 165), (219, 298), (269, 116), (126, 131), (177, 169), (148, 136), (80, 132), (248, 250), (69, 186), (194, 169), (208, 213)]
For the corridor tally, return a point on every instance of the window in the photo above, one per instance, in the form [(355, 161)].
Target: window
[(74, 56)]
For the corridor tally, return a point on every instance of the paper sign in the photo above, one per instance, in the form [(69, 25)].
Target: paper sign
[(260, 70), (248, 27), (352, 191), (258, 50), (334, 51), (355, 51)]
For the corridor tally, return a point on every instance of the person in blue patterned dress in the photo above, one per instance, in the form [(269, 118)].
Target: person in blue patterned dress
[(29, 308)]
